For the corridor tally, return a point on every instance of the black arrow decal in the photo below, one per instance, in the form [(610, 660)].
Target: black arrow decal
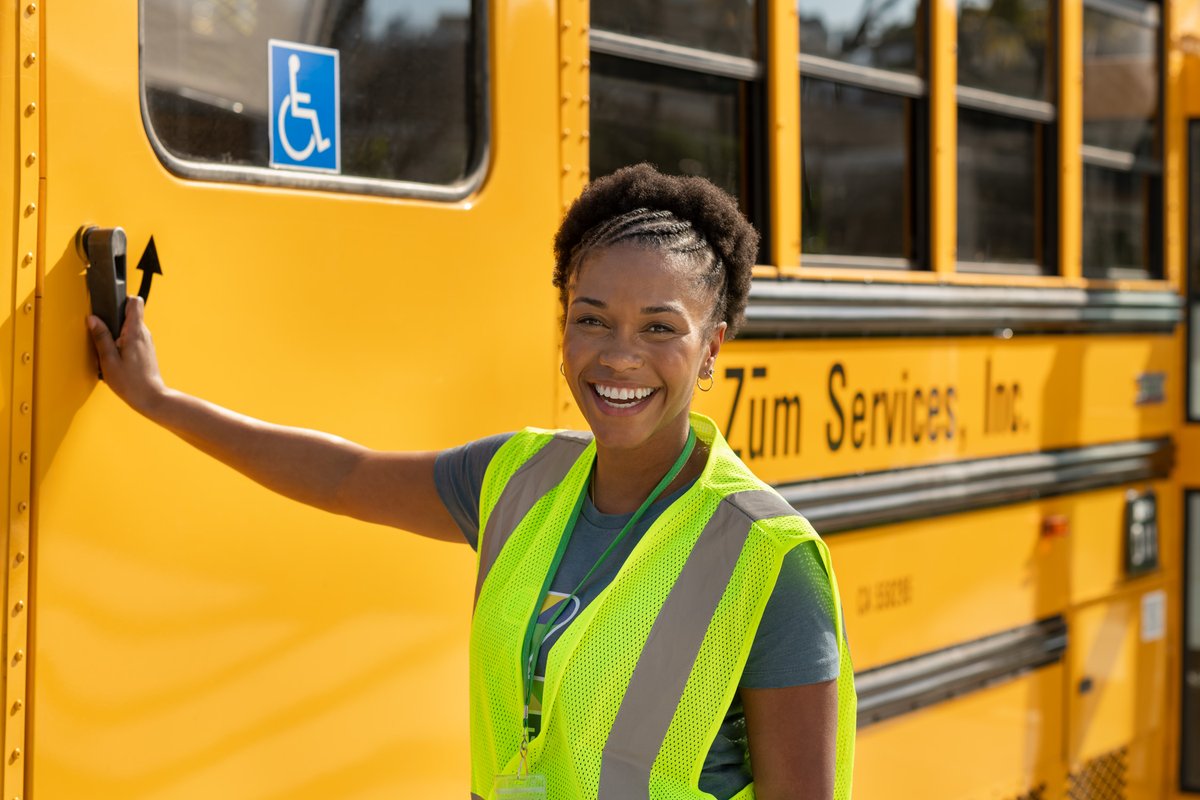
[(149, 266)]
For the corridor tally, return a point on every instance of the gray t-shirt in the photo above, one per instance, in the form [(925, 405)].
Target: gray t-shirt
[(794, 645)]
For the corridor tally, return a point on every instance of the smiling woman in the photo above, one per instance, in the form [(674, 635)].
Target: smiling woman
[(650, 618)]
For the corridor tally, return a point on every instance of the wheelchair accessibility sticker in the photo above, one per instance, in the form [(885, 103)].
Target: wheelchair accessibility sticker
[(305, 107)]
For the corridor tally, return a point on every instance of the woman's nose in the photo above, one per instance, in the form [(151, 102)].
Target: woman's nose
[(621, 355)]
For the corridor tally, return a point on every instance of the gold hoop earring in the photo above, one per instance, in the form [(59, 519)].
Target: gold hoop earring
[(561, 369), (708, 388)]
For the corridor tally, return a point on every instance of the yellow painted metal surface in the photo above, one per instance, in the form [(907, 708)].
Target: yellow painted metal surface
[(997, 743), (784, 134), (21, 311), (1070, 134), (943, 136), (1097, 541), (198, 637), (837, 407), (1116, 688), (901, 600)]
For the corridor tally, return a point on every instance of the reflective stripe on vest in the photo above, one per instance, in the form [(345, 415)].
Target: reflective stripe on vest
[(538, 475), (666, 661)]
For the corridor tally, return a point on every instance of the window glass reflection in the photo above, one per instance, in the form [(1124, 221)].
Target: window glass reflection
[(855, 149), (1114, 221), (998, 197), (410, 104), (1002, 46), (864, 32), (1120, 83), (684, 123), (726, 26)]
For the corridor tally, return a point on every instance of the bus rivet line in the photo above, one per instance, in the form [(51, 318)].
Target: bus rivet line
[(29, 159), (26, 358), (24, 458), (31, 9), (28, 259), (30, 59), (28, 308), (566, 25), (29, 209), (566, 169), (587, 62), (19, 607), (18, 560), (16, 754), (24, 408), (22, 506), (18, 657), (29, 109), (17, 706)]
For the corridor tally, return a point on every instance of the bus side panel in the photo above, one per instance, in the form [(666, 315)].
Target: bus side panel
[(1004, 741), (1117, 685), (197, 635), (917, 587), (796, 411)]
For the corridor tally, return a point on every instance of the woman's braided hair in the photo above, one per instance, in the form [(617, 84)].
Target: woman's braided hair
[(685, 216)]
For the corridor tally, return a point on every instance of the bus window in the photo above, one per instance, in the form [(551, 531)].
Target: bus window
[(1122, 182), (1004, 109), (680, 86), (722, 26), (862, 109), (411, 118)]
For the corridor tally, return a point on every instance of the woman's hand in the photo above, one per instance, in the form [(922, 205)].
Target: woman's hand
[(129, 365)]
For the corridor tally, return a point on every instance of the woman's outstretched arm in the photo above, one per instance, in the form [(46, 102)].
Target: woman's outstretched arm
[(315, 468)]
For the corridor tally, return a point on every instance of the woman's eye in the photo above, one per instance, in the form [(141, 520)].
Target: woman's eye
[(588, 321), (659, 327)]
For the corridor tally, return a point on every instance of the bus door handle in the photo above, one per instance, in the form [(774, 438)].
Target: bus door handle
[(103, 249)]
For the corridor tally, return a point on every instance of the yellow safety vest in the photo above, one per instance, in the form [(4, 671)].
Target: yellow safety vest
[(638, 685)]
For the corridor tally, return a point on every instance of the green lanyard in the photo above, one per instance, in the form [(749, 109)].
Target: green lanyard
[(530, 648)]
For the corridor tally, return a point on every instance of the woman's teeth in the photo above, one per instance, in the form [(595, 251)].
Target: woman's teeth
[(620, 396)]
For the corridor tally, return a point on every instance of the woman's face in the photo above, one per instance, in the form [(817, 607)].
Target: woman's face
[(638, 333)]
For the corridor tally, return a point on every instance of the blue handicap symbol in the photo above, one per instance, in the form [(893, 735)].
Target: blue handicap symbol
[(305, 107)]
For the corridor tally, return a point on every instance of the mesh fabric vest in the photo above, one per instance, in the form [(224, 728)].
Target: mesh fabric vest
[(638, 685)]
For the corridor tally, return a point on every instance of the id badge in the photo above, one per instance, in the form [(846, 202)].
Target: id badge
[(516, 787)]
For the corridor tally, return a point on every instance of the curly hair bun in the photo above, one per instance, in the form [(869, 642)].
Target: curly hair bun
[(640, 203)]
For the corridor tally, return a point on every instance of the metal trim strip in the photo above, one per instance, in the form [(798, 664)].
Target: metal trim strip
[(1118, 159), (984, 100), (839, 504), (866, 77), (791, 308), (931, 678), (674, 55)]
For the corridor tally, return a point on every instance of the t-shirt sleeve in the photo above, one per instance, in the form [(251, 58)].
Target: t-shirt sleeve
[(458, 475), (795, 643)]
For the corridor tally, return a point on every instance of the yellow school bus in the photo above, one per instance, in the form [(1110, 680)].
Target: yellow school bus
[(967, 360)]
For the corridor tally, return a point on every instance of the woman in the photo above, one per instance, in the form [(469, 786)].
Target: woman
[(651, 620)]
